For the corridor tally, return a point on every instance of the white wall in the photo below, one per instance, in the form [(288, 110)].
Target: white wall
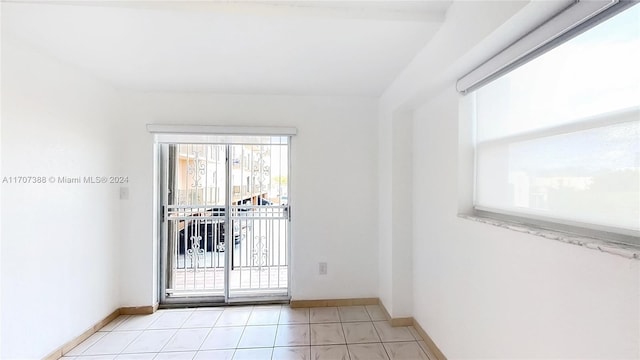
[(395, 225), (385, 178), (449, 51), (59, 241), (481, 291), (333, 180), (487, 292)]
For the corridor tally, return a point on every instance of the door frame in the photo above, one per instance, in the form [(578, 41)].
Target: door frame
[(164, 134)]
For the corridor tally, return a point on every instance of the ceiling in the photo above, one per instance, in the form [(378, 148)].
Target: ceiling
[(268, 47)]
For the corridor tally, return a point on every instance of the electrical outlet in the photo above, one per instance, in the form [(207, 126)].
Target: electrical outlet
[(322, 268)]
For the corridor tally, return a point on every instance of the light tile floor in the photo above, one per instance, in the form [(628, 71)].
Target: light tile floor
[(255, 333)]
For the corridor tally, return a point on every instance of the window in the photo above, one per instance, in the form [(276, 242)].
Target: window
[(558, 138)]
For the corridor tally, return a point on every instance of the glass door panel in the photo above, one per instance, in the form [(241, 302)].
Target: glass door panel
[(225, 217), (195, 214)]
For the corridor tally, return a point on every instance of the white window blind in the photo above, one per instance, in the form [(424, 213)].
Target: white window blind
[(213, 134), (558, 138), (569, 21)]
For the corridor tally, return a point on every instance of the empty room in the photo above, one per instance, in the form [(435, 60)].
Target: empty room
[(318, 180)]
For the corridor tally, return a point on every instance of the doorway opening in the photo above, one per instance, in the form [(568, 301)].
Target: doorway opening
[(225, 220)]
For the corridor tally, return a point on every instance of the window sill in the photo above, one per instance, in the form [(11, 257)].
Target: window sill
[(624, 250)]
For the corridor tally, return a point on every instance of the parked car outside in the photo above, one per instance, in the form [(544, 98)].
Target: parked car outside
[(211, 233)]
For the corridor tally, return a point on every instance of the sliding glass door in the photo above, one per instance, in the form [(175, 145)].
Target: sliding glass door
[(225, 220)]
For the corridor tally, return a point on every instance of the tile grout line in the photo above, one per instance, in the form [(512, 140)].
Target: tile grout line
[(381, 341), (116, 354), (171, 338), (276, 334), (147, 329), (206, 337), (243, 330), (344, 335)]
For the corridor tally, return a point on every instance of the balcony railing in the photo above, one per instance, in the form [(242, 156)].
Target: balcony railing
[(197, 238)]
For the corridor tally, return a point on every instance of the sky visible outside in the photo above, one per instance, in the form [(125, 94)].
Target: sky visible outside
[(590, 175)]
